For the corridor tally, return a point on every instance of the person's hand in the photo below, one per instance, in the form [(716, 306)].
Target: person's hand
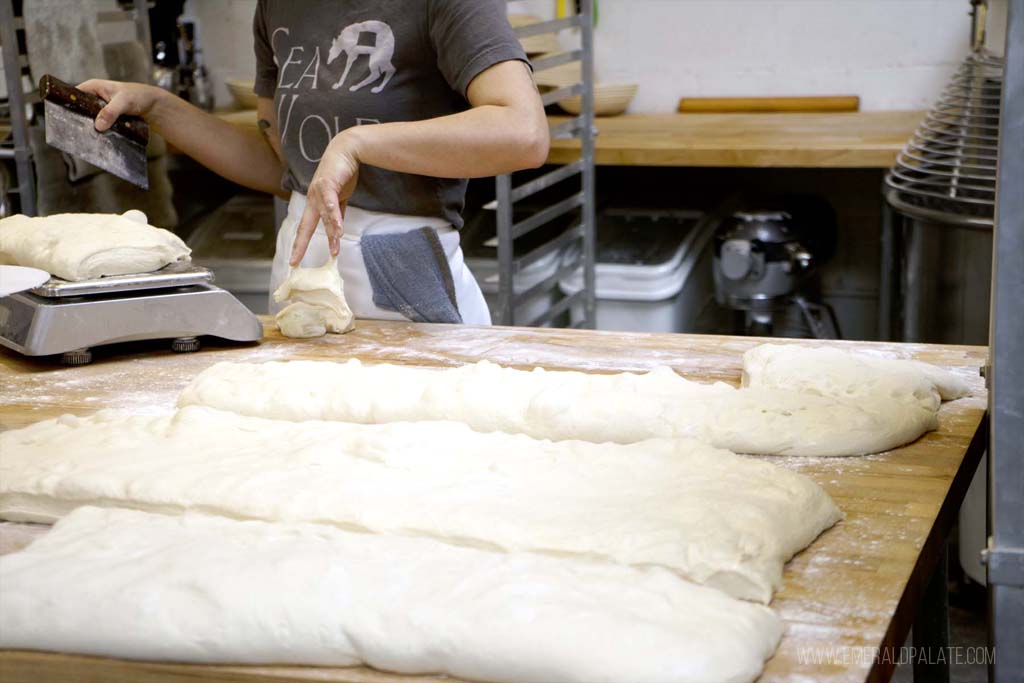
[(328, 194), (122, 98)]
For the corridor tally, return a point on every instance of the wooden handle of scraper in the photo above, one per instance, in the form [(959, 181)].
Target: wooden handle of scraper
[(87, 104)]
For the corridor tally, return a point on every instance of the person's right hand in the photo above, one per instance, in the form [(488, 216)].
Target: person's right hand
[(122, 98)]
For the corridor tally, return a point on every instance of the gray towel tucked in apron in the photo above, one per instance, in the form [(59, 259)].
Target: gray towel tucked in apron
[(409, 274)]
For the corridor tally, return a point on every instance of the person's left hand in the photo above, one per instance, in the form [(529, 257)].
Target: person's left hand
[(328, 194)]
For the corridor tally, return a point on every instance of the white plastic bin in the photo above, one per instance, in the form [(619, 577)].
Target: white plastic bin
[(653, 271), (479, 245), (486, 273)]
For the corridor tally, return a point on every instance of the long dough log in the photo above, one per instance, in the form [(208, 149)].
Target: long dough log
[(198, 588), (777, 413), (714, 517)]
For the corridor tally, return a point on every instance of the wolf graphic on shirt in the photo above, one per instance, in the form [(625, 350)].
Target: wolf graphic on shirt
[(380, 53)]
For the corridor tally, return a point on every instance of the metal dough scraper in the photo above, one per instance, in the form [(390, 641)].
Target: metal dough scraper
[(70, 114)]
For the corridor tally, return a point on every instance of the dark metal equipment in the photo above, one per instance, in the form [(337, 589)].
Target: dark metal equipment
[(760, 265)]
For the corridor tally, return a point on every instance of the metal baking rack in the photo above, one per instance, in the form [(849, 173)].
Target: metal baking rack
[(510, 297), (20, 102)]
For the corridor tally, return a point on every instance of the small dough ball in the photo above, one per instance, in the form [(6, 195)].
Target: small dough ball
[(301, 321), (137, 216)]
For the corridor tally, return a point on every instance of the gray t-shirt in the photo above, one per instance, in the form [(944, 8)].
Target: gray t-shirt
[(332, 64)]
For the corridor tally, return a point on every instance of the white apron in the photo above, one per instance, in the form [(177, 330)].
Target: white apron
[(358, 292)]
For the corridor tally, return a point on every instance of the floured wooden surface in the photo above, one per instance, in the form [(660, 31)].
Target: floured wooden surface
[(842, 596)]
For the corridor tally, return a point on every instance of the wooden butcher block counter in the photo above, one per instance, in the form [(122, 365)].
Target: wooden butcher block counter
[(853, 591), (866, 139), (863, 139)]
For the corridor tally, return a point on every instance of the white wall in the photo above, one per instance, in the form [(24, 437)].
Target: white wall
[(224, 32), (895, 54)]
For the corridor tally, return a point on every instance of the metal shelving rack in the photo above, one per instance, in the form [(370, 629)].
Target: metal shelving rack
[(583, 232), (13, 42), (15, 67)]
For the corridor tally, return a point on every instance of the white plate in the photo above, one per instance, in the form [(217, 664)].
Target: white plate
[(15, 279)]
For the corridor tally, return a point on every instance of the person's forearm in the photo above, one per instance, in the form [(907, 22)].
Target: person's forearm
[(482, 141), (242, 156), (504, 130)]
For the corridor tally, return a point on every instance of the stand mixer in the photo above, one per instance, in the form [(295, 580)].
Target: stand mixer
[(760, 264)]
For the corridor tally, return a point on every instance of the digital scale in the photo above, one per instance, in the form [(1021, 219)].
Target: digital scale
[(178, 302)]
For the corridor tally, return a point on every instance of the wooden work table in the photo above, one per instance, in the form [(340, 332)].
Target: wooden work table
[(797, 140), (868, 139), (853, 593)]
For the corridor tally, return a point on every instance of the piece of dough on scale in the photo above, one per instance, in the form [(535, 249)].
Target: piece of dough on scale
[(711, 516), (776, 414), (84, 246), (317, 302), (203, 589)]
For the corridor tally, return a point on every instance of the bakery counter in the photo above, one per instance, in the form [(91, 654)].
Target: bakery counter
[(869, 139), (848, 600)]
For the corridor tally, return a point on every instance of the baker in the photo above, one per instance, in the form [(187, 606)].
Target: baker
[(372, 113)]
